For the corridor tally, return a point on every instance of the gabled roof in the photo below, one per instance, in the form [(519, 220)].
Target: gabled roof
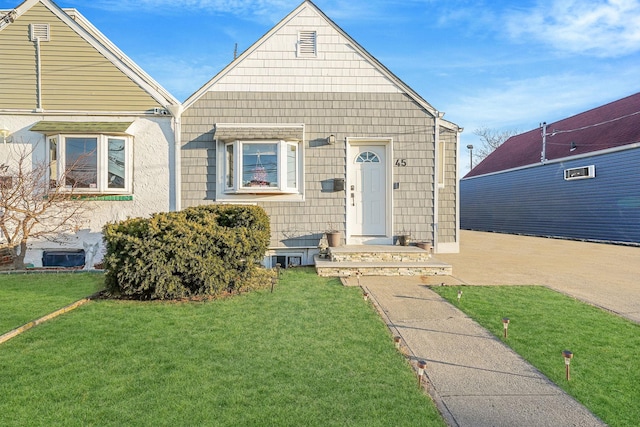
[(78, 23), (366, 55), (609, 126)]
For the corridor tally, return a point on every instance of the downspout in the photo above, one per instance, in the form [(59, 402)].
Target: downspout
[(458, 132), (176, 113), (436, 179), (39, 108)]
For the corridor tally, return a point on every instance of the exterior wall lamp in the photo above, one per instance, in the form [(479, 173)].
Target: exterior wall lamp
[(331, 139), (4, 133)]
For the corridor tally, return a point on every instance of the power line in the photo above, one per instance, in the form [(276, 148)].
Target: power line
[(555, 132)]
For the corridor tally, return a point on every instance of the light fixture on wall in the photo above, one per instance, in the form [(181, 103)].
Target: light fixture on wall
[(4, 133), (573, 146), (331, 140)]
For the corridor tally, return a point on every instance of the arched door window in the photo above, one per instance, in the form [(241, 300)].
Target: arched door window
[(367, 157)]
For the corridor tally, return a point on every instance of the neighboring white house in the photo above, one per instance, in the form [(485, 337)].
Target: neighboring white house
[(71, 93)]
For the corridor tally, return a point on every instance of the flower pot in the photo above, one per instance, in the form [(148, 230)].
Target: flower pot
[(404, 239), (424, 245), (333, 238)]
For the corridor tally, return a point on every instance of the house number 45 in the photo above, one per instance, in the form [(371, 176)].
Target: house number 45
[(401, 162)]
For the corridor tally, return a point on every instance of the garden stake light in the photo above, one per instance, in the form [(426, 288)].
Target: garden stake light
[(366, 296), (421, 367), (396, 340), (567, 362), (273, 283), (459, 296), (505, 323)]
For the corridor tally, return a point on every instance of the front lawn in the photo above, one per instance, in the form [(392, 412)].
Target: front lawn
[(27, 297), (543, 323), (313, 353)]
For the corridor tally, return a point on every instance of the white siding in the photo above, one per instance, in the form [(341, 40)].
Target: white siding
[(274, 66)]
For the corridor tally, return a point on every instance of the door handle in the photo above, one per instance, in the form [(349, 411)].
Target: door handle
[(353, 199)]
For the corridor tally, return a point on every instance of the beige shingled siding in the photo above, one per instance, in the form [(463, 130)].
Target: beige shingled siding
[(341, 114), (447, 196), (75, 76)]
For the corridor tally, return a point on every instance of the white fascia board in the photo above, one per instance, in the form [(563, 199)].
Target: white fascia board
[(30, 111), (95, 38)]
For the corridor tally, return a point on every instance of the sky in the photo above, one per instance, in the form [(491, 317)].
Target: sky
[(502, 65)]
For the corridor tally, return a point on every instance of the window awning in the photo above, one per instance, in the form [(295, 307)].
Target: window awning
[(231, 132), (51, 128)]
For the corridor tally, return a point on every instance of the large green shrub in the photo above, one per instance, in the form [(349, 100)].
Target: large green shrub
[(201, 251)]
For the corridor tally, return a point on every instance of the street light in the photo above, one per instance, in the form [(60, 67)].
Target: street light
[(470, 148)]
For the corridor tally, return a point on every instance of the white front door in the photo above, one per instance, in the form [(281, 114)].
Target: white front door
[(367, 191)]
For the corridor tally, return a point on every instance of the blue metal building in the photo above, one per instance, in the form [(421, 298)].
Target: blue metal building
[(587, 185)]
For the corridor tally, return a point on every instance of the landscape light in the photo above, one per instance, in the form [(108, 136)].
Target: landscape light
[(421, 367), (505, 323), (459, 296), (397, 340), (567, 362)]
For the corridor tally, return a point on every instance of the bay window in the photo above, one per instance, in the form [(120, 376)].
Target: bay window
[(94, 164), (255, 167)]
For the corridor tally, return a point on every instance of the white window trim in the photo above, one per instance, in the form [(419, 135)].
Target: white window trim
[(239, 193), (569, 174), (102, 163)]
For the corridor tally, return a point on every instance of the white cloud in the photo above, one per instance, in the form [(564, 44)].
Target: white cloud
[(522, 104), (244, 8), (603, 28)]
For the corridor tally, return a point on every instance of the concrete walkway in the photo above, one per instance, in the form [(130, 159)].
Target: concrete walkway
[(474, 378)]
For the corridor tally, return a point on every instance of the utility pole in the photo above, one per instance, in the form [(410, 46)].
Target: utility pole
[(543, 155)]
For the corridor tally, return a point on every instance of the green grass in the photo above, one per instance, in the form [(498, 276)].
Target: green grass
[(313, 353), (27, 297), (604, 371)]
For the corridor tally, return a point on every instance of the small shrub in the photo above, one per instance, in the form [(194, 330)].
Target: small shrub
[(200, 251)]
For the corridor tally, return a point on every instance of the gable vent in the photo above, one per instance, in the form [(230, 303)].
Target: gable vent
[(307, 43), (39, 32)]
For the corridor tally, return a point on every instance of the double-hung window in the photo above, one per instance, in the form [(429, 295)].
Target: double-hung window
[(261, 167), (93, 164)]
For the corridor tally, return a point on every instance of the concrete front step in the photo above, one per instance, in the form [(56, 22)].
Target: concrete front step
[(379, 260), (379, 253)]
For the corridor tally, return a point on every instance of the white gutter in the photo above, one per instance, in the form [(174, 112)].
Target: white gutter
[(562, 159)]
